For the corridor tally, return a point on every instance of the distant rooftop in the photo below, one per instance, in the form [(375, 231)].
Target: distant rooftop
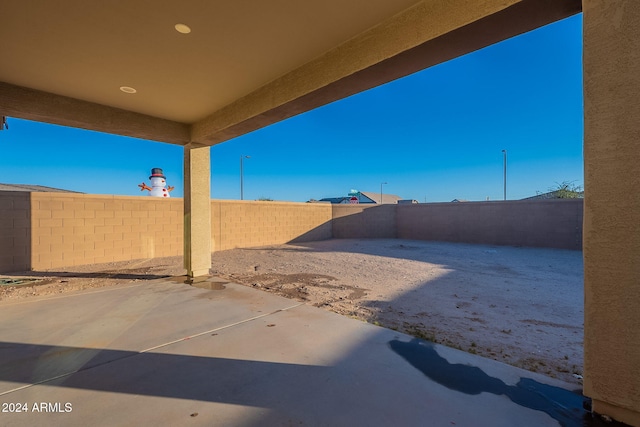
[(364, 197), (33, 188), (386, 198)]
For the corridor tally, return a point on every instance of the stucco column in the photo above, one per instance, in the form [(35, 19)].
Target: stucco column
[(197, 210), (612, 207)]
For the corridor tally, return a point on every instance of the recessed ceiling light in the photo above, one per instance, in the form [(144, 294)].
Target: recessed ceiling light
[(127, 89), (182, 28)]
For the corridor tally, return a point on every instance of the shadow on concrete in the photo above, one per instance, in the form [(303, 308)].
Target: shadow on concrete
[(562, 405), (284, 387), (209, 379)]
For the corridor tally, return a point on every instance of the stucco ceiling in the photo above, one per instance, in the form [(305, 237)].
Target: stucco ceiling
[(89, 49), (245, 63)]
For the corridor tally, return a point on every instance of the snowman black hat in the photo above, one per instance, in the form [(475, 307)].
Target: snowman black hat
[(157, 173)]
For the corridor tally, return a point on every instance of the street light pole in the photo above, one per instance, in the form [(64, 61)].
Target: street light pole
[(241, 176), (504, 155), (381, 184)]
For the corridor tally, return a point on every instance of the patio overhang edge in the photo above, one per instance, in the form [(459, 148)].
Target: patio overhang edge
[(36, 105), (397, 48)]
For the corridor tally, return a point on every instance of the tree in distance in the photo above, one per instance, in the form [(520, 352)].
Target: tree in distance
[(567, 190)]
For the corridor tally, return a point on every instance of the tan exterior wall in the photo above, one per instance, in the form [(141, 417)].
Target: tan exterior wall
[(612, 207), (242, 224), (539, 223)]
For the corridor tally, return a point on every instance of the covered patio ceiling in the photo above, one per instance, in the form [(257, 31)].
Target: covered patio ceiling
[(244, 64)]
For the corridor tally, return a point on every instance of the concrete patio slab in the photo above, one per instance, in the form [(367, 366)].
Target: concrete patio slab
[(167, 353)]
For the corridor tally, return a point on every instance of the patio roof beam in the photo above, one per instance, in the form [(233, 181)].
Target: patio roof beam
[(30, 104)]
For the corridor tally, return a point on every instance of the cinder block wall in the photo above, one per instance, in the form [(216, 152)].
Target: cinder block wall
[(53, 230), (540, 223), (76, 229), (364, 221), (15, 230), (537, 223), (242, 224)]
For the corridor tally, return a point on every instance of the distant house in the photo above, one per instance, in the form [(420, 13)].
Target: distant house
[(364, 197), (375, 198), (32, 188), (334, 200), (459, 200), (407, 202)]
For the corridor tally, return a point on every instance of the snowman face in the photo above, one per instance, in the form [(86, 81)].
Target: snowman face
[(156, 181)]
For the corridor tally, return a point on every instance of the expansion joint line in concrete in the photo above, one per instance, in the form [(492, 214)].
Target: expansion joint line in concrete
[(219, 329), (251, 319)]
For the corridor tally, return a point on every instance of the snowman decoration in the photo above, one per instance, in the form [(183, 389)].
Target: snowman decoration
[(158, 183)]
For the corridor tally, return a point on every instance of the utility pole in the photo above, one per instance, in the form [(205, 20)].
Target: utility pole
[(241, 176), (504, 153)]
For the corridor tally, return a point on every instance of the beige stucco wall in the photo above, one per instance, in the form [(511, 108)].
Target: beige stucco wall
[(612, 207), (197, 210)]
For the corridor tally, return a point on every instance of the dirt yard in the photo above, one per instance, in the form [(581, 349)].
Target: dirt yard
[(522, 306)]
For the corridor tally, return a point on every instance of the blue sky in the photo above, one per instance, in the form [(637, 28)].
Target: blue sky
[(436, 135)]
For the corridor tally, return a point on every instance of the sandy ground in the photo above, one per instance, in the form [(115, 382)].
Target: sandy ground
[(522, 306)]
